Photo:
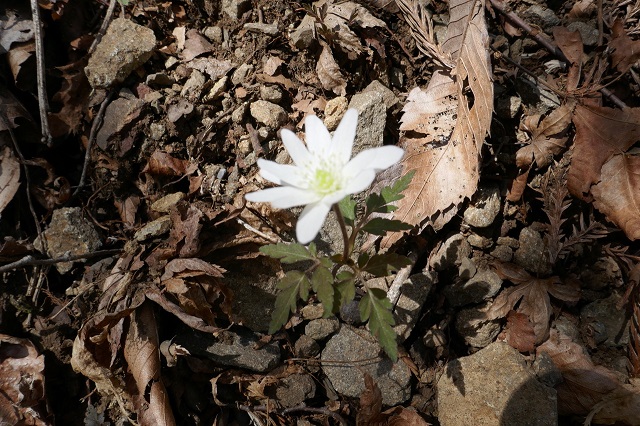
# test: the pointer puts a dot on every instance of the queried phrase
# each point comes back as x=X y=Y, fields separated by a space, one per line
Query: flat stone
x=304 y=34
x=217 y=90
x=334 y=111
x=494 y=387
x=306 y=347
x=270 y=93
x=242 y=74
x=353 y=351
x=372 y=119
x=69 y=232
x=475 y=329
x=451 y=253
x=321 y=328
x=388 y=97
x=269 y=114
x=153 y=229
x=484 y=207
x=484 y=285
x=116 y=118
x=543 y=17
x=295 y=389
x=166 y=203
x=261 y=27
x=124 y=47
x=588 y=33
x=192 y=89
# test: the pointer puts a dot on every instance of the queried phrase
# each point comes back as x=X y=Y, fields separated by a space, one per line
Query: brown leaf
x=519 y=333
x=620 y=406
x=533 y=297
x=329 y=73
x=14 y=28
x=164 y=164
x=22 y=391
x=601 y=132
x=73 y=97
x=625 y=52
x=617 y=195
x=9 y=176
x=195 y=45
x=446 y=159
x=141 y=351
x=548 y=138
x=370 y=403
x=11 y=111
x=127 y=210
x=570 y=42
x=585 y=384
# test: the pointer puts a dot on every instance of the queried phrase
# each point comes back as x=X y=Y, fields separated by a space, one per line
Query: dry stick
x=97 y=121
x=43 y=103
x=29 y=260
x=548 y=44
x=104 y=26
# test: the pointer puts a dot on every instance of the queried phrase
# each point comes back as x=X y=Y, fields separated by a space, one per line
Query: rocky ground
x=136 y=292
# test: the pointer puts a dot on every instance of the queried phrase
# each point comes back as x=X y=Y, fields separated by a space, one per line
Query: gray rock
x=261 y=27
x=588 y=33
x=304 y=35
x=451 y=253
x=166 y=203
x=313 y=311
x=484 y=207
x=242 y=74
x=388 y=97
x=334 y=111
x=271 y=93
x=237 y=116
x=503 y=253
x=157 y=131
x=295 y=389
x=372 y=119
x=543 y=17
x=467 y=268
x=116 y=117
x=269 y=114
x=68 y=233
x=160 y=79
x=494 y=387
x=236 y=347
x=601 y=322
x=214 y=34
x=508 y=107
x=484 y=285
x=350 y=353
x=153 y=229
x=124 y=47
x=192 y=89
x=235 y=8
x=306 y=347
x=474 y=327
x=217 y=90
x=479 y=241
x=321 y=328
x=546 y=370
x=532 y=252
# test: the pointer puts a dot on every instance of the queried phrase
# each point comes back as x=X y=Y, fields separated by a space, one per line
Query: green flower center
x=325 y=177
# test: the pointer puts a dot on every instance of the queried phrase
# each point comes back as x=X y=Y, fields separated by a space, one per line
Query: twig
x=29 y=260
x=43 y=103
x=104 y=26
x=256 y=231
x=548 y=44
x=394 y=290
x=324 y=411
x=97 y=121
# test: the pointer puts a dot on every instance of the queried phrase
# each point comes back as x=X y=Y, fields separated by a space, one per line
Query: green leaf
x=363 y=259
x=345 y=291
x=379 y=203
x=322 y=283
x=385 y=264
x=288 y=253
x=293 y=285
x=348 y=209
x=380 y=226
x=376 y=308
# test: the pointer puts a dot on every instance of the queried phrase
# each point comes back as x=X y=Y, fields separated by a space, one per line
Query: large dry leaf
x=548 y=138
x=531 y=295
x=22 y=391
x=141 y=350
x=519 y=332
x=625 y=52
x=570 y=42
x=444 y=134
x=617 y=195
x=600 y=133
x=329 y=73
x=9 y=176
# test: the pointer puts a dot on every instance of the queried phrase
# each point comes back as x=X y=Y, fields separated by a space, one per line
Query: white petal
x=280 y=173
x=336 y=197
x=376 y=159
x=296 y=149
x=282 y=197
x=345 y=134
x=310 y=221
x=317 y=136
x=360 y=182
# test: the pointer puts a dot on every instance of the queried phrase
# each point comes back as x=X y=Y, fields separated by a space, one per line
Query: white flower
x=322 y=172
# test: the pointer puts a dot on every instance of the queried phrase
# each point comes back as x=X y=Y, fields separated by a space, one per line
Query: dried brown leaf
x=519 y=332
x=9 y=176
x=620 y=406
x=601 y=132
x=141 y=351
x=161 y=163
x=370 y=403
x=617 y=195
x=548 y=138
x=625 y=52
x=73 y=97
x=570 y=42
x=531 y=294
x=195 y=45
x=329 y=73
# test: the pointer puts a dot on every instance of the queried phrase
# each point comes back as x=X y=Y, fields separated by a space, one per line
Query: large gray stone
x=353 y=351
x=482 y=286
x=494 y=387
x=372 y=118
x=484 y=207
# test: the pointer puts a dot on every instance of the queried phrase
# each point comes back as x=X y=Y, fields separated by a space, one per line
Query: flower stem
x=346 y=254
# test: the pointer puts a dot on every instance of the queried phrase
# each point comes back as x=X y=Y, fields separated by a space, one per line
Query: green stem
x=346 y=254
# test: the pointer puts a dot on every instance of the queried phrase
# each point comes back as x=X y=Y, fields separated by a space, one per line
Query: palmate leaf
x=292 y=286
x=289 y=253
x=322 y=284
x=379 y=203
x=376 y=308
x=380 y=226
x=348 y=209
x=345 y=289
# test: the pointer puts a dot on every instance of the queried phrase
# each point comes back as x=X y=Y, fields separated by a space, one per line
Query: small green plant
x=322 y=178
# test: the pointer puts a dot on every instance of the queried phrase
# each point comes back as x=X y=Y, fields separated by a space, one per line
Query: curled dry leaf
x=570 y=42
x=22 y=391
x=601 y=133
x=617 y=195
x=548 y=138
x=519 y=332
x=329 y=73
x=73 y=96
x=533 y=296
x=625 y=52
x=164 y=164
x=9 y=176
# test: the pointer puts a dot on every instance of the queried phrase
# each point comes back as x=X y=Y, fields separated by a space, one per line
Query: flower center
x=325 y=178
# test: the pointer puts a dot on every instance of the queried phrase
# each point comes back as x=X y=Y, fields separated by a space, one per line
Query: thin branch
x=43 y=103
x=104 y=26
x=30 y=260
